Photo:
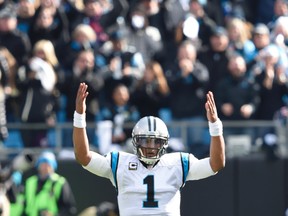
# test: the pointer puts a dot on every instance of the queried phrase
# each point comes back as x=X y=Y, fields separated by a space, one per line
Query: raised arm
x=217 y=145
x=80 y=139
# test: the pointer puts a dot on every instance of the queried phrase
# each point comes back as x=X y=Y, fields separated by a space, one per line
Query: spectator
x=60 y=20
x=261 y=36
x=120 y=112
x=214 y=10
x=46 y=26
x=12 y=185
x=17 y=43
x=9 y=68
x=25 y=13
x=73 y=10
x=188 y=83
x=83 y=38
x=215 y=57
x=279 y=34
x=262 y=39
x=141 y=35
x=152 y=89
x=45 y=50
x=165 y=16
x=93 y=10
x=273 y=89
x=234 y=8
x=101 y=17
x=241 y=100
x=204 y=24
x=48 y=193
x=83 y=70
x=119 y=63
x=239 y=34
x=280 y=9
x=36 y=83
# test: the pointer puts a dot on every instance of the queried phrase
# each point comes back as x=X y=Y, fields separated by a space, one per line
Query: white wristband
x=79 y=120
x=216 y=128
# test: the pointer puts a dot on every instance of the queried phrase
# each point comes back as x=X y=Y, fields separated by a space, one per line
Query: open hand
x=211 y=110
x=81 y=98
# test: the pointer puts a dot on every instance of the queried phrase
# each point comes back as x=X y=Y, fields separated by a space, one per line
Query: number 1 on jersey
x=150 y=203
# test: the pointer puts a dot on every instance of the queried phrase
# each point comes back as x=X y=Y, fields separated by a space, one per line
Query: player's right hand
x=81 y=98
x=211 y=110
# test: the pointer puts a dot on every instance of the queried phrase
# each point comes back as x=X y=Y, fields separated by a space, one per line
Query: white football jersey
x=143 y=191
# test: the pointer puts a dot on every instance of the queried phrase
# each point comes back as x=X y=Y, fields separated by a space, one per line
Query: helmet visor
x=150 y=142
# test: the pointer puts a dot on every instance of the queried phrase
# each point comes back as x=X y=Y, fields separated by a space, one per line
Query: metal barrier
x=57 y=135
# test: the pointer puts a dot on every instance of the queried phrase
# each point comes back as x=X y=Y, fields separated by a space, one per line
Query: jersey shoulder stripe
x=114 y=166
x=185 y=165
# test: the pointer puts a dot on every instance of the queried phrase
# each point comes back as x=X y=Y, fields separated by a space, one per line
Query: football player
x=149 y=181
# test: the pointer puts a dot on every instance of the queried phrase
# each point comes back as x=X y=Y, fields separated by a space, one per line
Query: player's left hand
x=210 y=106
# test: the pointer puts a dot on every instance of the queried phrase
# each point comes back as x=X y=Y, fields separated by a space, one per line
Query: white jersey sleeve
x=100 y=165
x=199 y=169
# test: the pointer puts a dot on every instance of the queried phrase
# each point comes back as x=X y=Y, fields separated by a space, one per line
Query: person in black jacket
x=152 y=89
x=36 y=82
x=215 y=56
x=188 y=83
x=17 y=42
x=83 y=69
x=50 y=23
x=237 y=95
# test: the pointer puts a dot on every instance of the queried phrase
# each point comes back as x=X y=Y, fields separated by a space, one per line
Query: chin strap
x=149 y=161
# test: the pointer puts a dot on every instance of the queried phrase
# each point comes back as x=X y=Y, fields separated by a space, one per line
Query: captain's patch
x=133 y=165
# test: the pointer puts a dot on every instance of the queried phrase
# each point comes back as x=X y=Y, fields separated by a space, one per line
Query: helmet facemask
x=150 y=139
x=149 y=149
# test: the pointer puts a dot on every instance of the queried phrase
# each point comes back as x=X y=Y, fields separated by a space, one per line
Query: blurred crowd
x=142 y=57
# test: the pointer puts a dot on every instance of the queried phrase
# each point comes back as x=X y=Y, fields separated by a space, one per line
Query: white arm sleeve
x=199 y=169
x=99 y=165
